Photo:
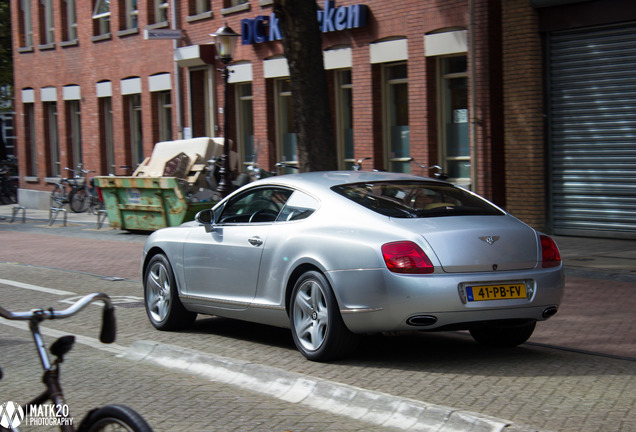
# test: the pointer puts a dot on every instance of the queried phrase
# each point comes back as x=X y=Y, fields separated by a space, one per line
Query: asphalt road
x=570 y=377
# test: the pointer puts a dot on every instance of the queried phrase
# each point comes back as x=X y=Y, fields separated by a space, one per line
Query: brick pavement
x=169 y=402
x=596 y=316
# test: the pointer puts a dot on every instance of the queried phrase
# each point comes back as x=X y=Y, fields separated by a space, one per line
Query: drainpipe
x=473 y=96
x=177 y=75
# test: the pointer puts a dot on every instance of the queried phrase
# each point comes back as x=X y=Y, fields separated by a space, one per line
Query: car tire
x=161 y=297
x=502 y=336
x=317 y=326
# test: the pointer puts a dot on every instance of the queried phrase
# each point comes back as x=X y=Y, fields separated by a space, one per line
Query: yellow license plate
x=496 y=292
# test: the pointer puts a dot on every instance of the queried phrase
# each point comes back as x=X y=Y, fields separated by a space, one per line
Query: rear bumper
x=377 y=300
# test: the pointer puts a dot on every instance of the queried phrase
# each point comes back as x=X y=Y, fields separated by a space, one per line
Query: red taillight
x=406 y=257
x=549 y=252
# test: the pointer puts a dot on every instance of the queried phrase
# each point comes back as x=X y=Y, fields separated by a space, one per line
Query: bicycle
x=80 y=197
x=84 y=197
x=59 y=196
x=99 y=419
x=8 y=182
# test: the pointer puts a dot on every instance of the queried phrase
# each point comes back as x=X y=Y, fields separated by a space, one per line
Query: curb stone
x=373 y=407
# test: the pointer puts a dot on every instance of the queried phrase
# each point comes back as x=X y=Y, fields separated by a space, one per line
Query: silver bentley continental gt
x=334 y=255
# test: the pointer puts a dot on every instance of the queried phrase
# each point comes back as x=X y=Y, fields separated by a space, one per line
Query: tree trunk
x=302 y=44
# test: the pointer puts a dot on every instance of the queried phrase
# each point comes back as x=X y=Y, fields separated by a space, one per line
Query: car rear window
x=411 y=199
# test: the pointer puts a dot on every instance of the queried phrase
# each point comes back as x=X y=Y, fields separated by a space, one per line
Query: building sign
x=331 y=18
x=163 y=34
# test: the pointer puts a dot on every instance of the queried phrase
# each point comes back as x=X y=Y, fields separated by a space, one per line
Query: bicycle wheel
x=80 y=200
x=58 y=196
x=114 y=418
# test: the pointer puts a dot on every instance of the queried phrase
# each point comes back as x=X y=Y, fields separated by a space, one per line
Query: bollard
x=17 y=209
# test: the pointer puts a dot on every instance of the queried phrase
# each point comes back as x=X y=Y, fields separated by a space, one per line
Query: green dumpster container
x=146 y=203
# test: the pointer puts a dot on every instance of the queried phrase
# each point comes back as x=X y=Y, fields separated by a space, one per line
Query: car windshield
x=416 y=199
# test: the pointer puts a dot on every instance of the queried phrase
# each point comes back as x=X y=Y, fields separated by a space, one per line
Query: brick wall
x=523 y=113
x=127 y=54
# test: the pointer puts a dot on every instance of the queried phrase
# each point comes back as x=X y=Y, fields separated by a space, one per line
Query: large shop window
x=455 y=148
x=396 y=108
x=344 y=125
x=245 y=117
x=286 y=135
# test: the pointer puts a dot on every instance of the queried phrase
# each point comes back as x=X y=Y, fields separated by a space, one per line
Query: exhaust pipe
x=549 y=312
x=421 y=320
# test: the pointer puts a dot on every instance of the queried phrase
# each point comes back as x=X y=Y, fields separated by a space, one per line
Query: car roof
x=321 y=180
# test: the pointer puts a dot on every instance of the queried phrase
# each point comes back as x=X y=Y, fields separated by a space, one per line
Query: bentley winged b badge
x=489 y=239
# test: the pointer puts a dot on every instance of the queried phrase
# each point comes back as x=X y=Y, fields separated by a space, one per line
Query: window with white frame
x=286 y=128
x=101 y=17
x=47 y=29
x=396 y=114
x=74 y=130
x=69 y=19
x=26 y=28
x=232 y=3
x=247 y=150
x=135 y=136
x=106 y=134
x=455 y=147
x=160 y=11
x=131 y=12
x=199 y=6
x=200 y=89
x=29 y=138
x=164 y=111
x=344 y=121
x=51 y=138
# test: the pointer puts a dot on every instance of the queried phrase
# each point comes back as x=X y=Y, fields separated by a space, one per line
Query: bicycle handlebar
x=109 y=326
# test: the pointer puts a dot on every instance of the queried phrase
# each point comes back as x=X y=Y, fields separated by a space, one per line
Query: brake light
x=549 y=252
x=406 y=257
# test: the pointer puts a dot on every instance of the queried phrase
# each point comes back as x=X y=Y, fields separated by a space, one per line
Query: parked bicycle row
x=79 y=193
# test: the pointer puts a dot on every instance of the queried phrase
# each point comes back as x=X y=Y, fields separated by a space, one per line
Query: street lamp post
x=225 y=40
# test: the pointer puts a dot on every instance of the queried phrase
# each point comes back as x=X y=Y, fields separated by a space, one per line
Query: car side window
x=255 y=205
x=298 y=206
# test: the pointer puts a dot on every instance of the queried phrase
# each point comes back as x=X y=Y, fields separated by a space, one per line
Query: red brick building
x=459 y=83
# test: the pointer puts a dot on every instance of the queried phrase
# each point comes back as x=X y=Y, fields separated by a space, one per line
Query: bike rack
x=53 y=214
x=16 y=210
x=101 y=217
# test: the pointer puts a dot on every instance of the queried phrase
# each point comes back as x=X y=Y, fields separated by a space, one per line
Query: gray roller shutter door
x=592 y=131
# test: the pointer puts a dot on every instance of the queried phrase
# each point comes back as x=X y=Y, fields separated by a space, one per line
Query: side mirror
x=205 y=217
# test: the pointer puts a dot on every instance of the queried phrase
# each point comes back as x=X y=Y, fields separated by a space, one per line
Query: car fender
x=169 y=242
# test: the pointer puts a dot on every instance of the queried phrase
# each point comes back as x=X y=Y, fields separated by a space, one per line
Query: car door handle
x=255 y=241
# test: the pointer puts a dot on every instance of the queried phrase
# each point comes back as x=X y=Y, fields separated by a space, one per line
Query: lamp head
x=225 y=40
